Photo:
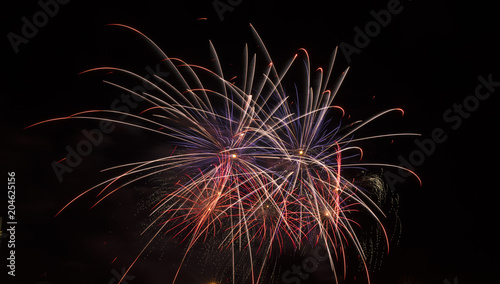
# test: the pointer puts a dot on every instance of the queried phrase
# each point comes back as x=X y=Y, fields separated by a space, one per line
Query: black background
x=427 y=59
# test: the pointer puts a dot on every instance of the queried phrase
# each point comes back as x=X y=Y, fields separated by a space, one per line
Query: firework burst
x=257 y=167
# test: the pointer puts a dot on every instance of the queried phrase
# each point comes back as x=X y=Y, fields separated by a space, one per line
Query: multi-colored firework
x=258 y=168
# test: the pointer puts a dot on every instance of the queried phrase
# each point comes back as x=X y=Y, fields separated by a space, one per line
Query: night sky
x=428 y=59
